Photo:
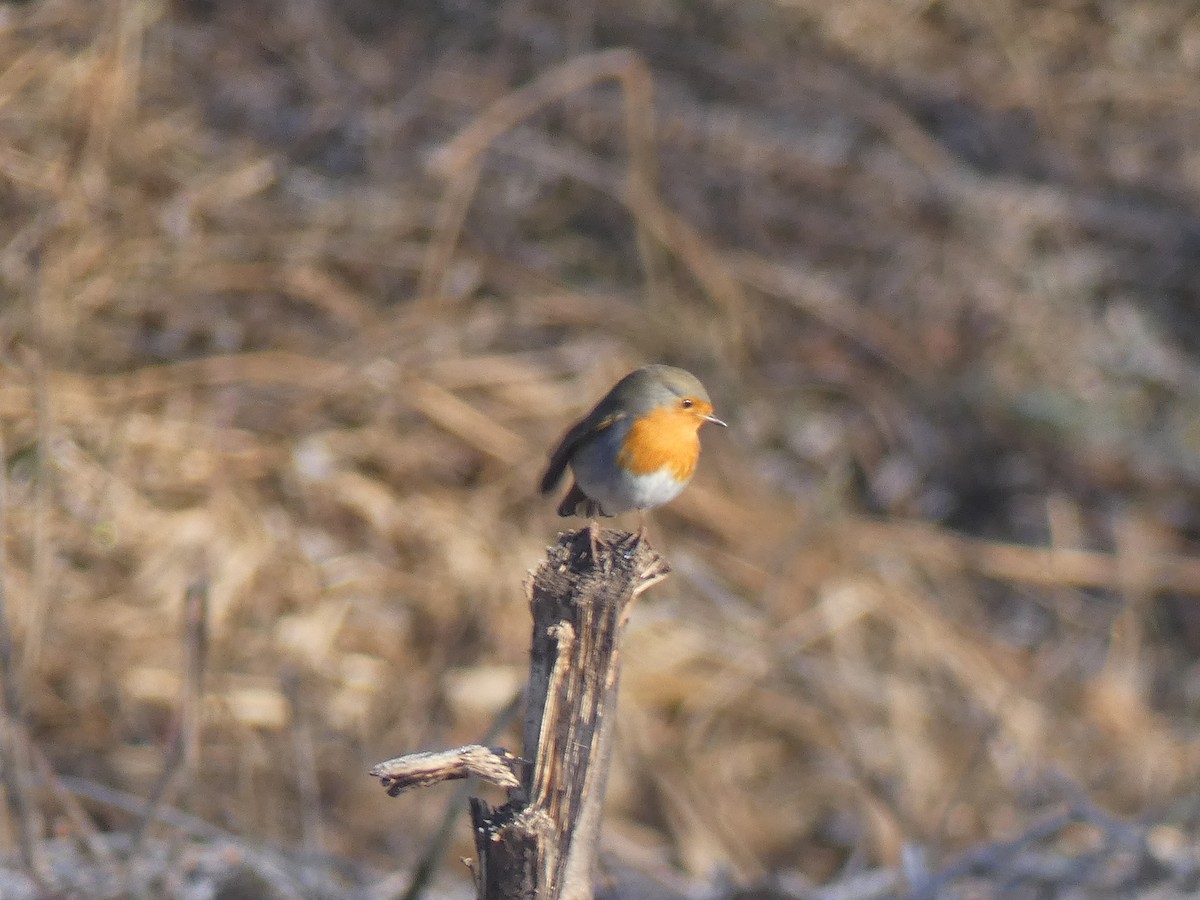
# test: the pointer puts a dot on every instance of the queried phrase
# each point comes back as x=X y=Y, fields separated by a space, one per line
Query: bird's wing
x=562 y=455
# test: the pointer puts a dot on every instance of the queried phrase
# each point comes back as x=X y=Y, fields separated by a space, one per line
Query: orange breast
x=665 y=437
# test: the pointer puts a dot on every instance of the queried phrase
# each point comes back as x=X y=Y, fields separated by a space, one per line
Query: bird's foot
x=640 y=534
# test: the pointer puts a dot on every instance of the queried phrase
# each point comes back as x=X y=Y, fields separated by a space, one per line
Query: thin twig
x=84 y=827
x=15 y=747
x=461 y=161
x=308 y=785
x=35 y=619
x=183 y=748
x=1023 y=564
x=138 y=806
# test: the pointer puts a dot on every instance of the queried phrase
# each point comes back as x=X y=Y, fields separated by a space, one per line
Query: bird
x=637 y=449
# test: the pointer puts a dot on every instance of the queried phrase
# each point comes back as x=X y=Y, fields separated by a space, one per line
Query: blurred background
x=296 y=295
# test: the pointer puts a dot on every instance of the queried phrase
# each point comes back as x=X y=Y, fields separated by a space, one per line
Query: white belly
x=620 y=494
x=633 y=491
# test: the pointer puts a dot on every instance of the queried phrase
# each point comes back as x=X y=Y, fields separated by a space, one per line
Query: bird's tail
x=554 y=471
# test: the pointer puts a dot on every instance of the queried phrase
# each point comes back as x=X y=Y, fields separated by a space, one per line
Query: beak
x=715 y=421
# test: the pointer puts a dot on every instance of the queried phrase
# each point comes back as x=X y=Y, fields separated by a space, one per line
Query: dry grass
x=295 y=301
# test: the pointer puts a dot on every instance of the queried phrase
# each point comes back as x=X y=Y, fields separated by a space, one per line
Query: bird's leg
x=593 y=534
x=640 y=535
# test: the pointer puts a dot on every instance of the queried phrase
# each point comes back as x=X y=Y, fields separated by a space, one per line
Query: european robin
x=637 y=449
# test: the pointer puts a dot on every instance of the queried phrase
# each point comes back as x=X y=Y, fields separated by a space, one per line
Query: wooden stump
x=542 y=843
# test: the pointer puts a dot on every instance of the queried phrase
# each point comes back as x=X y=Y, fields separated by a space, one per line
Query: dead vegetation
x=296 y=295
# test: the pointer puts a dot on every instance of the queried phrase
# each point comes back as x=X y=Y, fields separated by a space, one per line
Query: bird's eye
x=687 y=403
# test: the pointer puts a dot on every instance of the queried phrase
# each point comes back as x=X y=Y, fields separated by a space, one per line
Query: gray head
x=653 y=386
